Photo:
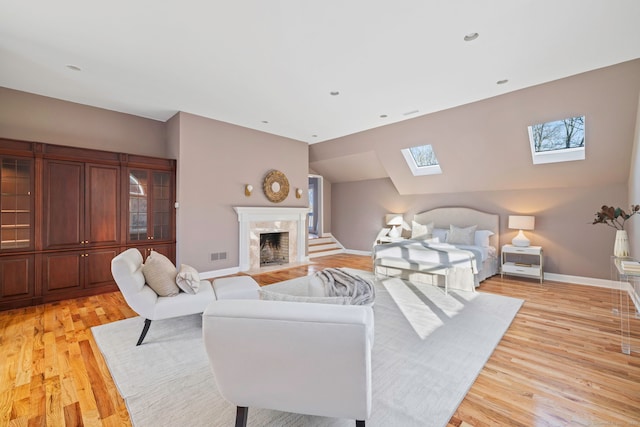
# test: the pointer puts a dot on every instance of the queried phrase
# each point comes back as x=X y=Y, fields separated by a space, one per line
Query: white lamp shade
x=522 y=222
x=393 y=219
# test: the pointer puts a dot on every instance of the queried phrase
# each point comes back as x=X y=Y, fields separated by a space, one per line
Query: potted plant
x=616 y=218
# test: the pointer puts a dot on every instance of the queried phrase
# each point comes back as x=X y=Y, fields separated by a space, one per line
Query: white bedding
x=443 y=254
x=464 y=266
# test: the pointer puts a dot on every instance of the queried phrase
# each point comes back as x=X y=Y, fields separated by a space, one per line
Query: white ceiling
x=245 y=62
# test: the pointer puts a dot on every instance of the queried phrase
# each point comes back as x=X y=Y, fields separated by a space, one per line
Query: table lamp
x=394 y=220
x=521 y=222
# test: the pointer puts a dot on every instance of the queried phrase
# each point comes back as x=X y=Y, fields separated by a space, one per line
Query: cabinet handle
x=151 y=237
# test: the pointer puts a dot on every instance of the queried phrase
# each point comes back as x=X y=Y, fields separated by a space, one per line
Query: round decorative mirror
x=276 y=186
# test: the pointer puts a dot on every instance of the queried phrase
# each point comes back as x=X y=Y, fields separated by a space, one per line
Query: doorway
x=315 y=206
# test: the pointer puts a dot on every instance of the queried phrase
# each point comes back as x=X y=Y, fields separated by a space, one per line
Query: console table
x=625 y=298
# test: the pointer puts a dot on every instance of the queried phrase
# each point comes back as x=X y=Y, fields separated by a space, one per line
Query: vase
x=621 y=246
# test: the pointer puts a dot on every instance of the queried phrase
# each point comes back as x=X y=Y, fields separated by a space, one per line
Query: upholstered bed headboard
x=462 y=217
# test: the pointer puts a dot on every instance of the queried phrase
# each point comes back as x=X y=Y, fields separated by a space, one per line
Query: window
x=422 y=160
x=558 y=141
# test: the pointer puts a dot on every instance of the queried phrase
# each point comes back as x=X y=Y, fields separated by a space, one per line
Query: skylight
x=422 y=160
x=558 y=141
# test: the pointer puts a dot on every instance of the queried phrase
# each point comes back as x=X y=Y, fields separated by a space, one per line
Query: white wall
x=634 y=189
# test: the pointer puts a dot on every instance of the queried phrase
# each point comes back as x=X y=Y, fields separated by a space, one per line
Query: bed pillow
x=275 y=296
x=421 y=231
x=461 y=236
x=188 y=279
x=440 y=234
x=482 y=238
x=160 y=274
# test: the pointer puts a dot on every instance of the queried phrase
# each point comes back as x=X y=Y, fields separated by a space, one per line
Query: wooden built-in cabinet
x=66 y=212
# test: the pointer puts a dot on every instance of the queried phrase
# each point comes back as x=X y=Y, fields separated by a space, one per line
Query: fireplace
x=274 y=248
x=255 y=221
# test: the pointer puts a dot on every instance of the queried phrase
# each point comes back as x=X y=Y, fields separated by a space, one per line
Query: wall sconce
x=248 y=189
x=298 y=193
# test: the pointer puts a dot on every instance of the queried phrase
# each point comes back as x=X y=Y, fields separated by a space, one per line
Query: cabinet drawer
x=522 y=250
x=510 y=267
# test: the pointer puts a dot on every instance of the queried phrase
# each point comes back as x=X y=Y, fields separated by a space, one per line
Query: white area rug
x=428 y=350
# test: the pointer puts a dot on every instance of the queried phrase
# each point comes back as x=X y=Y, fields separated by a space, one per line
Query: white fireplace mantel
x=247 y=215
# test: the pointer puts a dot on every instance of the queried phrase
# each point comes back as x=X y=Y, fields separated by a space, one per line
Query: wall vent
x=218 y=256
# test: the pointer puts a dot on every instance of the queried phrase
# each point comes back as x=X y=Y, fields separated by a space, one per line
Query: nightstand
x=525 y=264
x=387 y=239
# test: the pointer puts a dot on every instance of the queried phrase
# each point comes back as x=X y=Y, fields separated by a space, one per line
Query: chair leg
x=145 y=329
x=242 y=413
x=359 y=423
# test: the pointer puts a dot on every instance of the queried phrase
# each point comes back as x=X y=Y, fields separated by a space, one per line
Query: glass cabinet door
x=138 y=205
x=161 y=206
x=16 y=203
x=150 y=205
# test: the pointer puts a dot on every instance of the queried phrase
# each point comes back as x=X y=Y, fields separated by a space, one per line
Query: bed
x=445 y=250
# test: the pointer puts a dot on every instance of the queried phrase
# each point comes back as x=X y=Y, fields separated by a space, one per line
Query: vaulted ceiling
x=311 y=71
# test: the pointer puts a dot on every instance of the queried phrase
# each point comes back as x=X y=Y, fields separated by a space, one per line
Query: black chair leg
x=242 y=413
x=359 y=423
x=145 y=329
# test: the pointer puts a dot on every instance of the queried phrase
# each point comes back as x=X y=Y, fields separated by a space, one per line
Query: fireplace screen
x=274 y=248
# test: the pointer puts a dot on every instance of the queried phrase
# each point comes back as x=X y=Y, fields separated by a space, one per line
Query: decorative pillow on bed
x=482 y=238
x=275 y=296
x=421 y=231
x=461 y=236
x=440 y=234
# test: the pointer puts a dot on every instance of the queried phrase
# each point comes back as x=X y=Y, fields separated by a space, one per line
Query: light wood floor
x=559 y=364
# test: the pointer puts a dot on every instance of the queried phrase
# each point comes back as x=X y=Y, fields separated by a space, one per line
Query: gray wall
x=572 y=245
x=215 y=162
x=38 y=118
x=485 y=156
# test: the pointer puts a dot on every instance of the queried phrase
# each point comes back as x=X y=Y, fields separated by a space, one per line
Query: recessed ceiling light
x=383 y=116
x=265 y=121
x=334 y=93
x=314 y=136
x=74 y=67
x=471 y=36
x=501 y=82
x=408 y=113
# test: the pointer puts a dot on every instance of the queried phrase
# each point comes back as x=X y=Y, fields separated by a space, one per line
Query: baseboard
x=355 y=252
x=580 y=280
x=563 y=278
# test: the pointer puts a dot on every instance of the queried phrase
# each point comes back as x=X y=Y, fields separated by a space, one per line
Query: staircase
x=325 y=245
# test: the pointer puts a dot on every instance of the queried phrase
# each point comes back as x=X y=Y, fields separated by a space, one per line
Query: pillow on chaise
x=160 y=274
x=188 y=279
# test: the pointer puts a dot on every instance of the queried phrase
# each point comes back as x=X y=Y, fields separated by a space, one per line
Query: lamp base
x=395 y=232
x=520 y=240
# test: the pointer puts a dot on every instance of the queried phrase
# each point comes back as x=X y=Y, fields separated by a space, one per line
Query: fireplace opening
x=274 y=248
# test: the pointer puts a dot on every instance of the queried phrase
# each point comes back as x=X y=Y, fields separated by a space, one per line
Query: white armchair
x=126 y=269
x=306 y=358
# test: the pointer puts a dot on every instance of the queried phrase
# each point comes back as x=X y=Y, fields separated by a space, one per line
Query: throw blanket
x=338 y=282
